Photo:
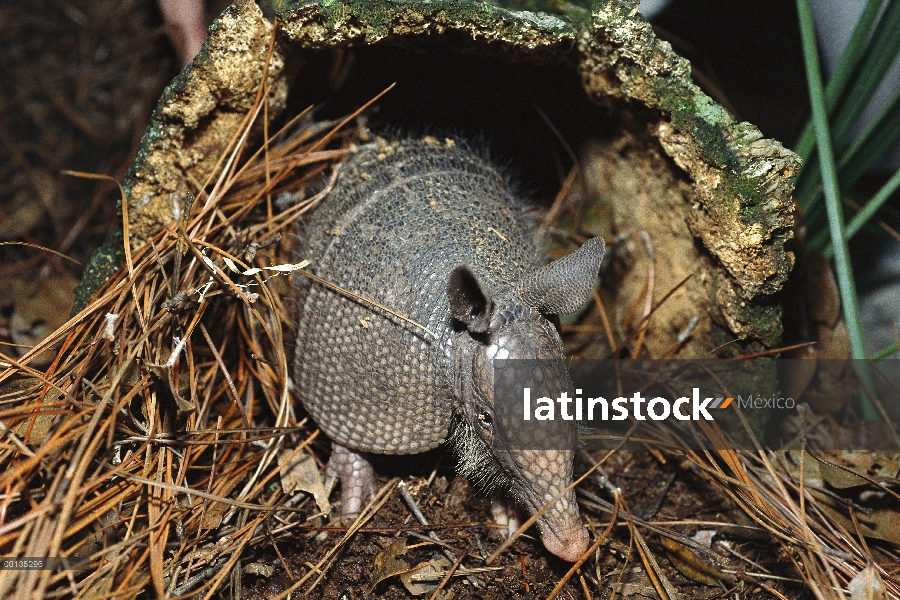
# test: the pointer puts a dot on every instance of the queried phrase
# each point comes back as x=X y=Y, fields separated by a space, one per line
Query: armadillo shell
x=402 y=216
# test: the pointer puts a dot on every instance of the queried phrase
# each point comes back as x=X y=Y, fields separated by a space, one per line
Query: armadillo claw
x=506 y=512
x=357 y=479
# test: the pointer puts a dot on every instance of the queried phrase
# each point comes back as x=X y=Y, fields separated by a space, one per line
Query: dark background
x=78 y=81
x=751 y=51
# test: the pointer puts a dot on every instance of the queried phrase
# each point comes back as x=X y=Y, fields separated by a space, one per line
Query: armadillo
x=432 y=231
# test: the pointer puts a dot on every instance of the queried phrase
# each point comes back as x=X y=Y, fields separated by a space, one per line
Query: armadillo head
x=519 y=328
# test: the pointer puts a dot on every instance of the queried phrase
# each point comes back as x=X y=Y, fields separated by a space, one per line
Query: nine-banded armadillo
x=432 y=231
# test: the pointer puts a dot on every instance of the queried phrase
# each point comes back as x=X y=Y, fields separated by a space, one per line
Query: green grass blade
x=844 y=272
x=874 y=203
x=863 y=216
x=881 y=134
x=869 y=56
x=882 y=50
x=843 y=71
x=885 y=352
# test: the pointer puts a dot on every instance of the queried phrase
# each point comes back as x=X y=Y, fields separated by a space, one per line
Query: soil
x=658 y=491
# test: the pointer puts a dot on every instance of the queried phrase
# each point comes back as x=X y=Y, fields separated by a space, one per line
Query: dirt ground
x=78 y=81
x=663 y=493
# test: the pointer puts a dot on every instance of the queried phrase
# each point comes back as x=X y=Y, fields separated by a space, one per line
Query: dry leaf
x=882 y=467
x=300 y=473
x=426 y=577
x=634 y=583
x=387 y=564
x=881 y=522
x=259 y=569
x=25 y=211
x=33 y=430
x=821 y=290
x=867 y=585
x=213 y=515
x=39 y=312
x=692 y=565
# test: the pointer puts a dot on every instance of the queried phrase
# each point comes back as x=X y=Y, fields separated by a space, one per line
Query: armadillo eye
x=486 y=425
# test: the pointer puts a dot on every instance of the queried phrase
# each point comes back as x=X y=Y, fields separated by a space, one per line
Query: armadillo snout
x=544 y=476
x=562 y=531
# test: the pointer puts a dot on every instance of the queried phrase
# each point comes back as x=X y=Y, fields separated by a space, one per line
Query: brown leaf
x=691 y=565
x=387 y=564
x=883 y=467
x=259 y=569
x=880 y=523
x=301 y=473
x=434 y=570
x=834 y=341
x=821 y=290
x=39 y=312
x=867 y=585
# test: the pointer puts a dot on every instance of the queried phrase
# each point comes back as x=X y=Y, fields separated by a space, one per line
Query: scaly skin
x=357 y=479
x=431 y=230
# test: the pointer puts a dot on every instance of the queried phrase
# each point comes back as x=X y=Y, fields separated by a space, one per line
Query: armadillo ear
x=470 y=302
x=563 y=285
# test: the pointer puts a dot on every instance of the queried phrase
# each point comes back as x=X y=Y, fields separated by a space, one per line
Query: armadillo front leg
x=506 y=513
x=357 y=479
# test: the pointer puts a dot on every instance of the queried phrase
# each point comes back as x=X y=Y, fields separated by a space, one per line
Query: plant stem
x=843 y=71
x=884 y=352
x=871 y=207
x=844 y=273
